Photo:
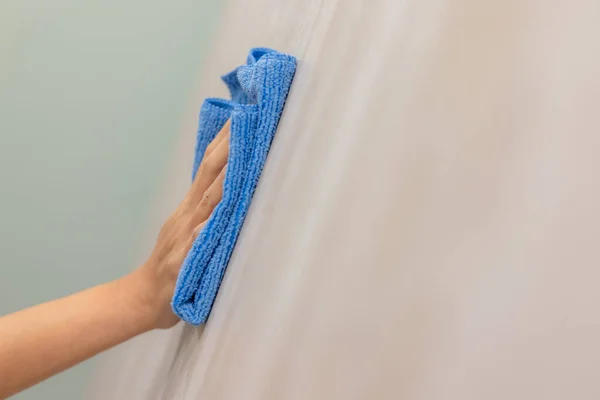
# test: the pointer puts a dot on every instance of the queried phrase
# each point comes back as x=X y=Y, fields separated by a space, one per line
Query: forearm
x=41 y=341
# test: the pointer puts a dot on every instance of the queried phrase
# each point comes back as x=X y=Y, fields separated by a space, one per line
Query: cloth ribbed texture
x=258 y=92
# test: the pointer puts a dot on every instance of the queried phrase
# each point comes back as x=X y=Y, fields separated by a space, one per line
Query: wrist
x=143 y=295
x=153 y=294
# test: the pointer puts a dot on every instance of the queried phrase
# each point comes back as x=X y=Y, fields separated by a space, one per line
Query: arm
x=41 y=341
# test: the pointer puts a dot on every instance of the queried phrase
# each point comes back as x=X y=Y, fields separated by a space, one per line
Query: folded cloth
x=258 y=92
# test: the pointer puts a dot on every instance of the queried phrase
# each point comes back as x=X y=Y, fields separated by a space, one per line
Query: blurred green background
x=92 y=95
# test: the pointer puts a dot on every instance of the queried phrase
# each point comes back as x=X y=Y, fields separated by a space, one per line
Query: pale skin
x=46 y=339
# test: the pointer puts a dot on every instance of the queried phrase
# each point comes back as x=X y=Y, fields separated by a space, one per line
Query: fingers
x=212 y=196
x=218 y=139
x=207 y=188
x=209 y=201
x=195 y=232
x=210 y=168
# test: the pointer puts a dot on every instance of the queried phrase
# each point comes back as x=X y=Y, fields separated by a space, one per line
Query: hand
x=181 y=229
x=43 y=340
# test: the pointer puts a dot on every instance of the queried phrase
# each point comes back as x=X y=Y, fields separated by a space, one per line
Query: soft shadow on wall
x=91 y=100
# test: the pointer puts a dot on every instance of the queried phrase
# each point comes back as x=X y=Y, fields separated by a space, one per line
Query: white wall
x=426 y=225
x=92 y=96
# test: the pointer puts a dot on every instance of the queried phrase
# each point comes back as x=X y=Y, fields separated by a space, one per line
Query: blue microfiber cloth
x=258 y=92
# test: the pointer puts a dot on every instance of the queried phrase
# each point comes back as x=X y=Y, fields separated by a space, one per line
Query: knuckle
x=170 y=221
x=189 y=227
x=197 y=230
x=207 y=201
